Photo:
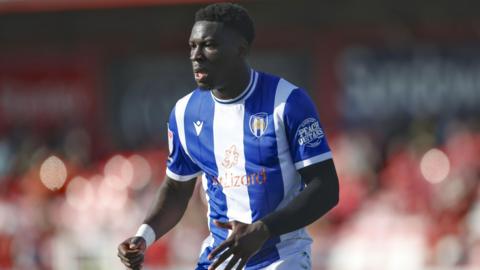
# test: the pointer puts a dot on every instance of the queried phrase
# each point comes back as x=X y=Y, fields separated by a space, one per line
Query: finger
x=221 y=259
x=135 y=243
x=130 y=255
x=138 y=267
x=225 y=244
x=137 y=260
x=242 y=264
x=135 y=267
x=131 y=250
x=125 y=250
x=233 y=261
x=132 y=265
x=223 y=225
x=132 y=261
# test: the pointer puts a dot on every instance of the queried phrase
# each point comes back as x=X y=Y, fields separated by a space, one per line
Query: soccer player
x=257 y=143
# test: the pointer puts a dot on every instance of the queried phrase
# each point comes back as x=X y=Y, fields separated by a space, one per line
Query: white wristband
x=147 y=233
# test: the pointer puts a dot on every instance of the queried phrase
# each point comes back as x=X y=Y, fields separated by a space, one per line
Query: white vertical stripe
x=230 y=159
x=209 y=241
x=180 y=117
x=205 y=188
x=291 y=178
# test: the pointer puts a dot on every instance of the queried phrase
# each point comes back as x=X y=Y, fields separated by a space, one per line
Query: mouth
x=200 y=73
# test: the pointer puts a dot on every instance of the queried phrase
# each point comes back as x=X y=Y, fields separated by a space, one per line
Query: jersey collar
x=245 y=93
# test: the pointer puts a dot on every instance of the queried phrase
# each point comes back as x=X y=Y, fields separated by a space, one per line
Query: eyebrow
x=203 y=40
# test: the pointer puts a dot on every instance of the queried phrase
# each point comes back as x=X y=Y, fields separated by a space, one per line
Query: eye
x=210 y=44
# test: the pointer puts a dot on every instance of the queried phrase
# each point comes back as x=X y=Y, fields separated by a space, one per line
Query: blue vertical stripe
x=265 y=188
x=261 y=152
x=262 y=187
x=201 y=108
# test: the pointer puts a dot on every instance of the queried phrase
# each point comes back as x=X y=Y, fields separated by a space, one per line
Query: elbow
x=335 y=195
x=328 y=196
x=334 y=199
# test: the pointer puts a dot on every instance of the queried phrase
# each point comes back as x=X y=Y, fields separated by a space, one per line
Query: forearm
x=313 y=202
x=169 y=206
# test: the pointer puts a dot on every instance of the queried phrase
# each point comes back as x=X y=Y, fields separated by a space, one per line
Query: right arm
x=169 y=205
x=171 y=200
x=168 y=208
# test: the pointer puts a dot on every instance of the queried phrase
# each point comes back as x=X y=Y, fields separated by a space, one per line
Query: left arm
x=306 y=141
x=320 y=195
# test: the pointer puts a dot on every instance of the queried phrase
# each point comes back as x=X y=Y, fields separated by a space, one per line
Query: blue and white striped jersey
x=248 y=150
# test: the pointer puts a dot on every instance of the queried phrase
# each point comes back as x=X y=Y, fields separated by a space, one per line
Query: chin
x=204 y=86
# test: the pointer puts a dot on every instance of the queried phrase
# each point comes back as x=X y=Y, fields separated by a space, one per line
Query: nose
x=196 y=53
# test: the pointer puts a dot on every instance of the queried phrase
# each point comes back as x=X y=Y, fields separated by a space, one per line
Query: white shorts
x=300 y=261
x=296 y=261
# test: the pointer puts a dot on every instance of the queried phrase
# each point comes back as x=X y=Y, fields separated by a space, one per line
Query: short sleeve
x=306 y=137
x=180 y=166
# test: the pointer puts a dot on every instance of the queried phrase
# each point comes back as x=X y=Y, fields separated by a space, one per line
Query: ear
x=244 y=48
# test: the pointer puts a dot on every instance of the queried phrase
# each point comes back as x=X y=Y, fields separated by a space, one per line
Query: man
x=257 y=142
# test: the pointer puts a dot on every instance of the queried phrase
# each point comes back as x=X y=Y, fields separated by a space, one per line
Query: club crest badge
x=258 y=124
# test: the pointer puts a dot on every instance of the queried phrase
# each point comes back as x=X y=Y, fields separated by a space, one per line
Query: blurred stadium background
x=86 y=88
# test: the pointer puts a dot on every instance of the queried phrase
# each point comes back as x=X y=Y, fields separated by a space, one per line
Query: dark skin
x=320 y=195
x=218 y=56
x=168 y=208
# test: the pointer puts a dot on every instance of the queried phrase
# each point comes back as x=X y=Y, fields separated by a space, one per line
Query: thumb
x=135 y=242
x=224 y=225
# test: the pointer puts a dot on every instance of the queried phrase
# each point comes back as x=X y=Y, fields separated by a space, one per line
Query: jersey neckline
x=245 y=93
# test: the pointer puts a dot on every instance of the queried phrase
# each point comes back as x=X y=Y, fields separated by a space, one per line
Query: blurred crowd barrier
x=409 y=201
x=85 y=95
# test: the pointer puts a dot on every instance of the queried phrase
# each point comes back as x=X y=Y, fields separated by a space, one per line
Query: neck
x=235 y=86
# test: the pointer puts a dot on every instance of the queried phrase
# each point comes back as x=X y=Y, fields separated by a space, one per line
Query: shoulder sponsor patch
x=309 y=133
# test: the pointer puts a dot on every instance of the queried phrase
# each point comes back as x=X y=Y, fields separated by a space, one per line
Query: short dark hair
x=232 y=15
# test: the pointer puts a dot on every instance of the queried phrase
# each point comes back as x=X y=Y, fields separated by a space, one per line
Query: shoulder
x=183 y=102
x=184 y=99
x=268 y=79
x=265 y=76
x=274 y=86
x=282 y=88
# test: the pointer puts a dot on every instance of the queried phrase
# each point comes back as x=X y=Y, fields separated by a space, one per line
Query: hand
x=243 y=243
x=131 y=252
